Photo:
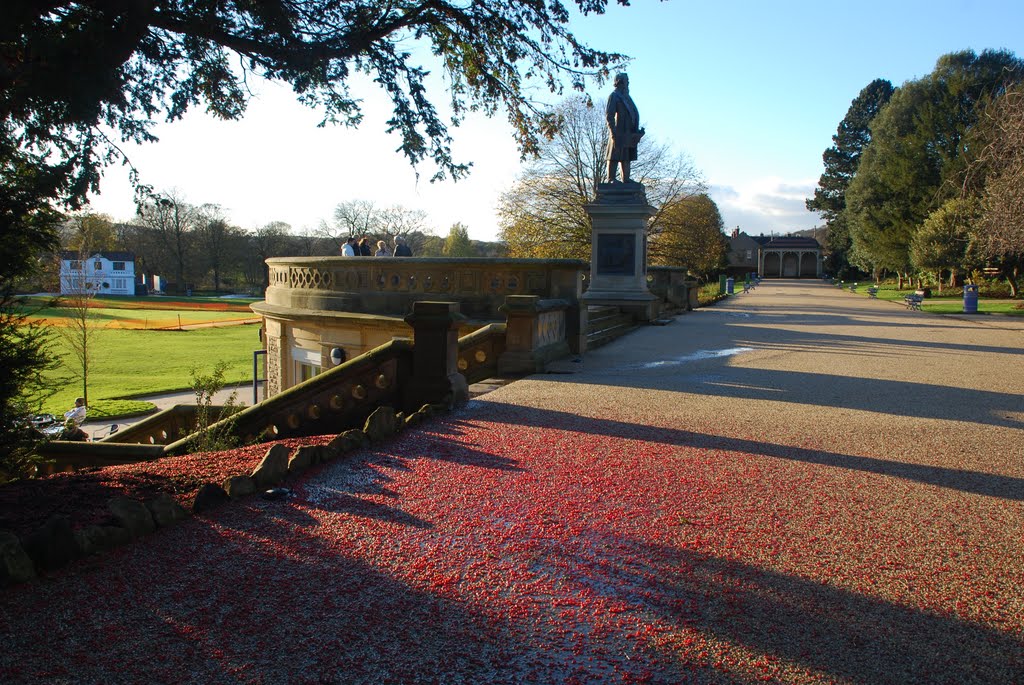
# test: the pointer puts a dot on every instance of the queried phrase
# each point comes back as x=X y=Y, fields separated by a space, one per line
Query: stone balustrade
x=389 y=285
x=673 y=286
x=319 y=307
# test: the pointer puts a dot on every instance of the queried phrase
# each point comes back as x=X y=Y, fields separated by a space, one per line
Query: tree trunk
x=938 y=279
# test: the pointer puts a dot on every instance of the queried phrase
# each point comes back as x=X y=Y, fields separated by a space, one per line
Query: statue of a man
x=623 y=129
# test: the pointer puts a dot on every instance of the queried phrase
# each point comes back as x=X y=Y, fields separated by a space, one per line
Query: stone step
x=616 y=318
x=606 y=323
x=607 y=335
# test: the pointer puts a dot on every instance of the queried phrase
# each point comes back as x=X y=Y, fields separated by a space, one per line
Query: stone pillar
x=618 y=261
x=535 y=333
x=435 y=365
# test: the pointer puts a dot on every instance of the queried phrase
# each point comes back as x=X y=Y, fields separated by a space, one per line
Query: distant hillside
x=819 y=233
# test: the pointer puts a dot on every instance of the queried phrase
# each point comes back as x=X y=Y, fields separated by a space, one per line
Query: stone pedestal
x=435 y=365
x=618 y=262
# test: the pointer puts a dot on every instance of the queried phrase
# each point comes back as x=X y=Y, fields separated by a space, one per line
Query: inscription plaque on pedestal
x=615 y=254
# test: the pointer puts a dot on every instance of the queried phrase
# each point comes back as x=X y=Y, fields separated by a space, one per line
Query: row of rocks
x=57 y=542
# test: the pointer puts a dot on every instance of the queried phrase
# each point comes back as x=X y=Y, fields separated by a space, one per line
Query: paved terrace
x=798 y=485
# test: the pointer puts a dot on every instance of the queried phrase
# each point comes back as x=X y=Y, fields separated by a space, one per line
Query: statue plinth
x=618 y=250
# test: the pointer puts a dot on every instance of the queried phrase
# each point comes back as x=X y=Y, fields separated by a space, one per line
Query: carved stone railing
x=161 y=428
x=389 y=285
x=672 y=286
x=400 y=373
x=536 y=333
x=334 y=401
x=480 y=352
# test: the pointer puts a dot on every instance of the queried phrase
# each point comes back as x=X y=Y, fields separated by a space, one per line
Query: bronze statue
x=623 y=129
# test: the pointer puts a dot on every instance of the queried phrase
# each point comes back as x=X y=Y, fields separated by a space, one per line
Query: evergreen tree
x=919 y=152
x=841 y=161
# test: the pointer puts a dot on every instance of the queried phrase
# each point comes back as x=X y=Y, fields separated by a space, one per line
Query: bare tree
x=78 y=328
x=542 y=214
x=173 y=221
x=267 y=241
x=1000 y=167
x=362 y=217
x=214 y=236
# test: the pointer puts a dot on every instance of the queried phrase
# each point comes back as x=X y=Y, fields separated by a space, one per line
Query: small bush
x=212 y=432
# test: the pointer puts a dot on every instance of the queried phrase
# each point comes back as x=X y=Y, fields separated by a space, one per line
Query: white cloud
x=766 y=205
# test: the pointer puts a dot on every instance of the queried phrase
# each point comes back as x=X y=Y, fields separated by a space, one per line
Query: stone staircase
x=605 y=324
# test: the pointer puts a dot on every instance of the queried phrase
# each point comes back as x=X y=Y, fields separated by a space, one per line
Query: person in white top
x=349 y=248
x=77 y=413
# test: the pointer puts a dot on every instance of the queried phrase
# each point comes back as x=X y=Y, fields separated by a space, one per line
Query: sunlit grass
x=129 y=363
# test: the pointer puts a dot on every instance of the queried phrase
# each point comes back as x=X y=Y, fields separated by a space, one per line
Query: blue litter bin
x=970 y=299
x=730 y=285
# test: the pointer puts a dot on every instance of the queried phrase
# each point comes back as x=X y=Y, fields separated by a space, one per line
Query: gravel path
x=799 y=485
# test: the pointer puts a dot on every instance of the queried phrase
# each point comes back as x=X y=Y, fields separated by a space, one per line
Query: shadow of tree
x=991 y=485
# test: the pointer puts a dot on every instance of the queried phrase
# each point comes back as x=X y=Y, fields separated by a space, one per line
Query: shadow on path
x=990 y=485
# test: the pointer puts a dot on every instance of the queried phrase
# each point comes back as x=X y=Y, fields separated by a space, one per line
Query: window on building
x=307 y=363
x=303 y=372
x=118 y=266
x=750 y=255
x=76 y=265
x=97 y=265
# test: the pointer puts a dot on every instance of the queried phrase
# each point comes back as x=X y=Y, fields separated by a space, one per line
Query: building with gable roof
x=790 y=257
x=101 y=273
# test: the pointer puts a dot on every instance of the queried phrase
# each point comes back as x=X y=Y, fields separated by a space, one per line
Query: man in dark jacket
x=623 y=129
x=401 y=248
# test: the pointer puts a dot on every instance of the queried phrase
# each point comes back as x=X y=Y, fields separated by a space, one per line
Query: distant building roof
x=112 y=255
x=794 y=243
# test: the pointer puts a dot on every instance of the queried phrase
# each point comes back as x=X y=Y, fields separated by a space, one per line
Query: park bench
x=873 y=291
x=913 y=301
x=747 y=287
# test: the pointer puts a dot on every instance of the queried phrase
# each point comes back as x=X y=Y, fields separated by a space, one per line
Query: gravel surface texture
x=799 y=485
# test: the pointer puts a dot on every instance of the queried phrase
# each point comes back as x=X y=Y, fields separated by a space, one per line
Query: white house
x=104 y=273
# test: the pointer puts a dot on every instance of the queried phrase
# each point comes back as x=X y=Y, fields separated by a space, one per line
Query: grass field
x=149 y=313
x=950 y=301
x=128 y=363
x=131 y=357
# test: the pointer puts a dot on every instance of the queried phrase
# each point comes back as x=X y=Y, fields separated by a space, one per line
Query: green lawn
x=149 y=312
x=134 y=362
x=950 y=301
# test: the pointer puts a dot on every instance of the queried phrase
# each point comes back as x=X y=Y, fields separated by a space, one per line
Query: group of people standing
x=362 y=247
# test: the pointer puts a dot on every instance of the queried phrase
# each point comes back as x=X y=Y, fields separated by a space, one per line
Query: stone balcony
x=389 y=285
x=316 y=305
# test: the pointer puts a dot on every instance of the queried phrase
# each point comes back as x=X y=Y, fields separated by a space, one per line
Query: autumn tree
x=458 y=244
x=542 y=215
x=690 y=235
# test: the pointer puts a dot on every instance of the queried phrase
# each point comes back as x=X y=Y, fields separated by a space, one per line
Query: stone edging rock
x=57 y=542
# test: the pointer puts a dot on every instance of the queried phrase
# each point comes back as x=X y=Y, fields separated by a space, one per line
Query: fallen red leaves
x=501 y=545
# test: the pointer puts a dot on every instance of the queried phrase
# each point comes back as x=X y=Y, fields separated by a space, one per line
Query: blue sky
x=752 y=91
